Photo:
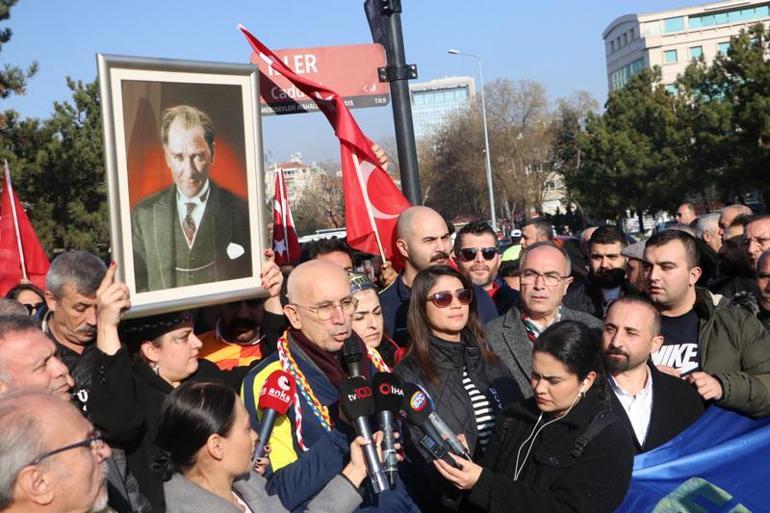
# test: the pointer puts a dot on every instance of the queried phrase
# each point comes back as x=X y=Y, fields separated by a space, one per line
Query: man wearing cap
x=310 y=444
x=634 y=265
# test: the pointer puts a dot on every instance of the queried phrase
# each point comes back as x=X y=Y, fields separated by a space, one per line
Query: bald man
x=319 y=311
x=728 y=214
x=423 y=239
x=685 y=214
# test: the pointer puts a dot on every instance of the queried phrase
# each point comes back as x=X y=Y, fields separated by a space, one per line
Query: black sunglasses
x=31 y=309
x=469 y=254
x=444 y=298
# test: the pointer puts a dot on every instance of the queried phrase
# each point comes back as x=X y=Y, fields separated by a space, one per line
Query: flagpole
x=284 y=221
x=15 y=222
x=369 y=211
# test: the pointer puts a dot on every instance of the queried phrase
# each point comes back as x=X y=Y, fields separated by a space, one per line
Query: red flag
x=285 y=243
x=372 y=200
x=21 y=255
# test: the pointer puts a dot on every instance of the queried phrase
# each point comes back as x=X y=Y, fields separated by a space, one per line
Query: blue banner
x=720 y=464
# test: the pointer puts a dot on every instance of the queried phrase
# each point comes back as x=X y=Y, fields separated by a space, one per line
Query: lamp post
x=454 y=51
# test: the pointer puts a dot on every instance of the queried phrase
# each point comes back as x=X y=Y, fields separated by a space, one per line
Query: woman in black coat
x=449 y=358
x=563 y=450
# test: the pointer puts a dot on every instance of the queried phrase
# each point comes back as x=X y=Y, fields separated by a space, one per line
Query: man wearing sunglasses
x=477 y=256
x=545 y=275
x=423 y=239
x=53 y=462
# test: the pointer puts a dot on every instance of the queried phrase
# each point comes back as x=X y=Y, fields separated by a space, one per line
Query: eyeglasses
x=325 y=311
x=94 y=441
x=443 y=298
x=762 y=242
x=469 y=254
x=31 y=309
x=529 y=277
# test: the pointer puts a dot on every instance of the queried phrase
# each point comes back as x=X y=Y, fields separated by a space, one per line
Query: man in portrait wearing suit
x=194 y=231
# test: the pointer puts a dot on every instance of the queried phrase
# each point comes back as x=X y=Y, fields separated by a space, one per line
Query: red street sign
x=350 y=71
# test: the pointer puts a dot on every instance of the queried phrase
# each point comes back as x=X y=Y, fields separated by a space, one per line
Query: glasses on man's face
x=529 y=277
x=32 y=309
x=469 y=254
x=94 y=442
x=762 y=242
x=443 y=298
x=325 y=311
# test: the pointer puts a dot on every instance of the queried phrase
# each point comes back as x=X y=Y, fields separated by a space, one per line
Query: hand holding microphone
x=275 y=399
x=357 y=405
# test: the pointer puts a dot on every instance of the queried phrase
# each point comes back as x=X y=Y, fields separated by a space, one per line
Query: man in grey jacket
x=545 y=277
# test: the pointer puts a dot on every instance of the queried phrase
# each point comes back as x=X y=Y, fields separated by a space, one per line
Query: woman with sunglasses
x=209 y=467
x=450 y=359
x=28 y=295
x=562 y=450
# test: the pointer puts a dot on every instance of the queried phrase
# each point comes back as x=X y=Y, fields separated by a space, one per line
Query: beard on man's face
x=609 y=278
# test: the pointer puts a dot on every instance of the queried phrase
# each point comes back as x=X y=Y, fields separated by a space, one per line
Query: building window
x=696 y=52
x=625 y=38
x=612 y=46
x=723 y=47
x=669 y=57
x=673 y=24
x=631 y=32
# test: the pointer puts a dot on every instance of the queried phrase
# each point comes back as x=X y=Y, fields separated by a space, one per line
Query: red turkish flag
x=35 y=260
x=285 y=243
x=372 y=200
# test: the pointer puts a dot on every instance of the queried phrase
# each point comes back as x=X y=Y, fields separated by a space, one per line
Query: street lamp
x=454 y=51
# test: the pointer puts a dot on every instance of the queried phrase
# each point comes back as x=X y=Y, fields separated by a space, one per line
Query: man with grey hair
x=544 y=271
x=758 y=303
x=71 y=319
x=194 y=231
x=53 y=462
x=707 y=230
x=28 y=358
x=728 y=214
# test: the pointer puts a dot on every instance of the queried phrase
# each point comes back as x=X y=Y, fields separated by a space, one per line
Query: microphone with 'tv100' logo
x=275 y=399
x=388 y=398
x=357 y=403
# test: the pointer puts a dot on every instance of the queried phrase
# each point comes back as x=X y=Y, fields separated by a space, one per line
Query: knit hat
x=359 y=282
x=134 y=332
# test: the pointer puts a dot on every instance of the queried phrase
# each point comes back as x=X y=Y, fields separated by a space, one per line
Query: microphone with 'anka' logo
x=275 y=399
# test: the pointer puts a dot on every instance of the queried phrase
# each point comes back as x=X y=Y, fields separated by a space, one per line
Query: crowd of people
x=548 y=373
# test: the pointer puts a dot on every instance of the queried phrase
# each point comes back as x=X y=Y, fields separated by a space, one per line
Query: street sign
x=350 y=71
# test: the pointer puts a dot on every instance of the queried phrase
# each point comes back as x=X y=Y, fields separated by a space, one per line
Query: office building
x=434 y=101
x=672 y=39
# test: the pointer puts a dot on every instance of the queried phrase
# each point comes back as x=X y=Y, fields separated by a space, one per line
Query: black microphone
x=357 y=404
x=352 y=354
x=417 y=408
x=388 y=397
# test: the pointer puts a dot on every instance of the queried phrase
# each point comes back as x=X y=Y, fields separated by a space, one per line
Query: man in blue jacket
x=310 y=445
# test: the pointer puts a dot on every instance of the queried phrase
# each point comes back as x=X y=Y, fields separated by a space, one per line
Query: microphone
x=445 y=431
x=357 y=404
x=388 y=397
x=275 y=399
x=417 y=409
x=352 y=354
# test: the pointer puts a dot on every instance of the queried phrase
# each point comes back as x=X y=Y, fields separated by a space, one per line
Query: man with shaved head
x=544 y=271
x=307 y=451
x=423 y=239
x=728 y=214
x=685 y=214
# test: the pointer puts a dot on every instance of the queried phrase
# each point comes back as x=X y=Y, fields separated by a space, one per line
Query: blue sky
x=555 y=42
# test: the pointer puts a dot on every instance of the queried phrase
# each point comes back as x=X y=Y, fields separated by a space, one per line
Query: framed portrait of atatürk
x=183 y=153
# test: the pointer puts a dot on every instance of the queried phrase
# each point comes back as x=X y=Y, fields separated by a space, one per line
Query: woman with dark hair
x=562 y=450
x=368 y=324
x=206 y=443
x=28 y=295
x=450 y=359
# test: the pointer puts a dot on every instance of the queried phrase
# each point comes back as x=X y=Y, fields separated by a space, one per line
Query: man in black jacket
x=655 y=407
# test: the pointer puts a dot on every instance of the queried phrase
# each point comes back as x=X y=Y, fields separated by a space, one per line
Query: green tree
x=13 y=79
